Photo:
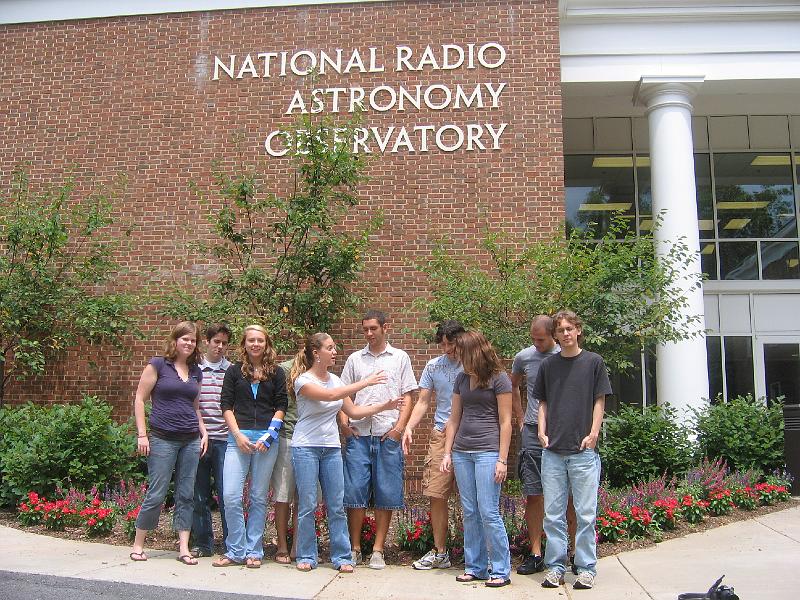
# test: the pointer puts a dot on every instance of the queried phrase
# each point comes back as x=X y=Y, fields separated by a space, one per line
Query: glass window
x=754 y=195
x=714 y=353
x=738 y=260
x=628 y=386
x=708 y=259
x=779 y=260
x=739 y=366
x=782 y=372
x=598 y=188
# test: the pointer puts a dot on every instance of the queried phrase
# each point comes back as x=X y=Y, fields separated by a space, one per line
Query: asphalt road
x=24 y=586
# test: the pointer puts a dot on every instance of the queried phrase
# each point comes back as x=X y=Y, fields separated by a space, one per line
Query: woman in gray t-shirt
x=478 y=435
x=316 y=451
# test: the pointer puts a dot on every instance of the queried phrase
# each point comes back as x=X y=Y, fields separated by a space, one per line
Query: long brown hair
x=181 y=329
x=268 y=364
x=478 y=357
x=304 y=359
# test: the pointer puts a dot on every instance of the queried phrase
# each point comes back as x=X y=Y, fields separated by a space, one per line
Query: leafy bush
x=642 y=444
x=745 y=432
x=44 y=448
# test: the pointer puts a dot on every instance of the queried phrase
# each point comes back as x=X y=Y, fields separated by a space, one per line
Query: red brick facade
x=135 y=95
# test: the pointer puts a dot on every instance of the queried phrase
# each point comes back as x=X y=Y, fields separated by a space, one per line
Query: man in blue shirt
x=438 y=378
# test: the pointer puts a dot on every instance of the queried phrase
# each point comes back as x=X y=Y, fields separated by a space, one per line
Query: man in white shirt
x=373 y=457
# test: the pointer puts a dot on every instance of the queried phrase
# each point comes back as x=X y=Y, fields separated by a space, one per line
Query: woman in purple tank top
x=176 y=438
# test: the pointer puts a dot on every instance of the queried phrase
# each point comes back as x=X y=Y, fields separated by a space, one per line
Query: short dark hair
x=216 y=328
x=378 y=315
x=449 y=329
x=546 y=322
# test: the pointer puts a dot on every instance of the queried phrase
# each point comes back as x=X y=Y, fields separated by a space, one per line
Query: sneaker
x=356 y=556
x=198 y=552
x=531 y=564
x=376 y=560
x=553 y=579
x=572 y=564
x=585 y=581
x=432 y=560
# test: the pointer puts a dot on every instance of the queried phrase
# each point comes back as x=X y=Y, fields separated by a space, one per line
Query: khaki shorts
x=436 y=484
x=282 y=482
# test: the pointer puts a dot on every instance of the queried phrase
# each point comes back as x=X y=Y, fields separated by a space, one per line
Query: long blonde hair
x=478 y=357
x=268 y=363
x=304 y=359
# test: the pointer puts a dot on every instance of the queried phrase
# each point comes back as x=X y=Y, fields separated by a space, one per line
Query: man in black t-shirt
x=571 y=388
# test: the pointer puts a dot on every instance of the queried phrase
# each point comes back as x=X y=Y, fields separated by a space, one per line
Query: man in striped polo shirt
x=211 y=463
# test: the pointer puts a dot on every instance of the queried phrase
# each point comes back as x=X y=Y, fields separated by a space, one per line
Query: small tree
x=286 y=262
x=626 y=298
x=56 y=257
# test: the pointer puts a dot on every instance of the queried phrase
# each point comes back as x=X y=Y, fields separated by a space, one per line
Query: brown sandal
x=283 y=558
x=224 y=561
x=253 y=563
x=303 y=566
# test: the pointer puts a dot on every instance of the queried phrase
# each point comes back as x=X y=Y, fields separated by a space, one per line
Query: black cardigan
x=253 y=413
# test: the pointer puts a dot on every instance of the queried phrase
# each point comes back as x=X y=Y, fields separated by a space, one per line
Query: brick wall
x=134 y=95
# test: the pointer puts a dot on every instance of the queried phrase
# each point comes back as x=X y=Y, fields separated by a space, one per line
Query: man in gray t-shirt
x=571 y=388
x=529 y=463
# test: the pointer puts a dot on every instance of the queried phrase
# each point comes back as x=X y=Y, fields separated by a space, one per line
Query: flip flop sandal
x=303 y=566
x=187 y=559
x=224 y=561
x=467 y=578
x=138 y=556
x=253 y=563
x=283 y=558
x=345 y=569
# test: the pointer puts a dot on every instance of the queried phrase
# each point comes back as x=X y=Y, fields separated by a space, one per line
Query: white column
x=681 y=368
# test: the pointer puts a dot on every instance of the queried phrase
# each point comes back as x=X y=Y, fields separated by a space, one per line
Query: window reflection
x=779 y=260
x=714 y=353
x=738 y=260
x=598 y=188
x=754 y=195
x=739 y=366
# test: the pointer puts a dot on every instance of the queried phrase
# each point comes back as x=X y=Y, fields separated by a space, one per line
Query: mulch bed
x=163 y=538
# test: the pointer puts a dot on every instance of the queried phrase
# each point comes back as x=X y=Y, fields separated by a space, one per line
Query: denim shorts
x=529 y=465
x=373 y=471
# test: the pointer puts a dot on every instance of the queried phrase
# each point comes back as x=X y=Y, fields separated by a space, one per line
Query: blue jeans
x=245 y=540
x=211 y=464
x=579 y=474
x=373 y=469
x=323 y=464
x=485 y=537
x=165 y=457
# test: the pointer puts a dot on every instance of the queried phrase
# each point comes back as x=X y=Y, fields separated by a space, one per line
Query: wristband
x=502 y=462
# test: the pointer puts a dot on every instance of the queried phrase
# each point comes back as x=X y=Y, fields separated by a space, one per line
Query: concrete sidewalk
x=760 y=558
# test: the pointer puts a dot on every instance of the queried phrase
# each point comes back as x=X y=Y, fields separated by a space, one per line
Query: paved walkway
x=760 y=558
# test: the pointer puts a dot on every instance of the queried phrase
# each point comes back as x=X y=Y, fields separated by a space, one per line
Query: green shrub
x=639 y=445
x=47 y=447
x=745 y=432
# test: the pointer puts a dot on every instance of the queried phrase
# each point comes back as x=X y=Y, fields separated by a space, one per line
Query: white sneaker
x=356 y=556
x=432 y=560
x=553 y=579
x=376 y=561
x=585 y=581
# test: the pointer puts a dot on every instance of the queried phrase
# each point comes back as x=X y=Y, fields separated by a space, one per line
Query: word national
x=446 y=57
